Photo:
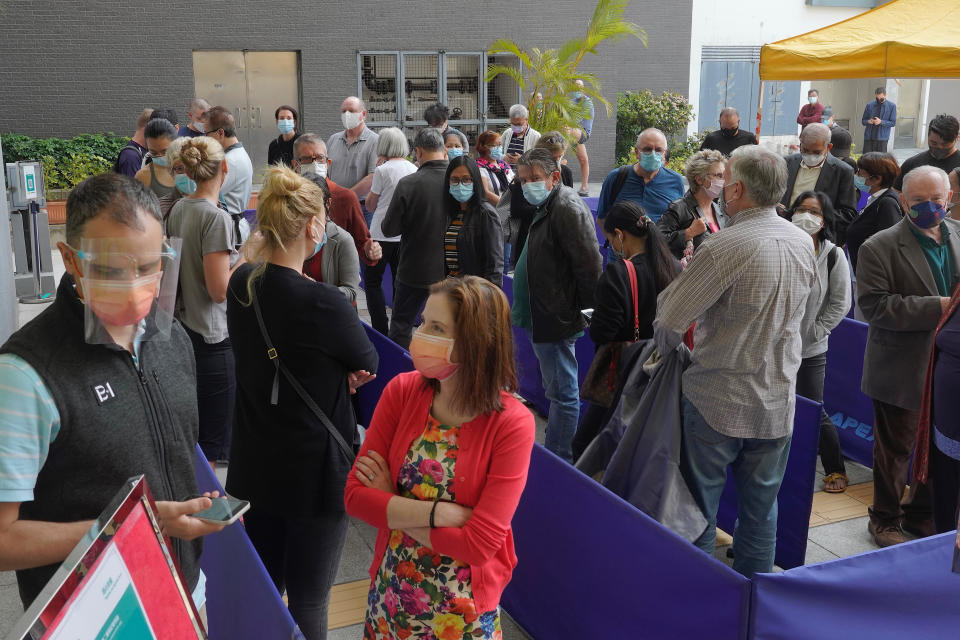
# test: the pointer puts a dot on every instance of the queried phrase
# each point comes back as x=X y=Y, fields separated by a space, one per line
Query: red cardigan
x=491 y=472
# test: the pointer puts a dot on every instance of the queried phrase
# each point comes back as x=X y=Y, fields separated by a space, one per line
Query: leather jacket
x=679 y=215
x=480 y=243
x=563 y=266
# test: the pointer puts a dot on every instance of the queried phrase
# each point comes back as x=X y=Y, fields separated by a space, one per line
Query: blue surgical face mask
x=496 y=153
x=576 y=95
x=536 y=193
x=285 y=126
x=652 y=161
x=184 y=184
x=454 y=152
x=160 y=161
x=461 y=192
x=320 y=244
x=860 y=183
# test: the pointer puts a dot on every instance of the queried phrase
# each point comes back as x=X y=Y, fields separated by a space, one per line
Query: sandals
x=835 y=478
x=583 y=193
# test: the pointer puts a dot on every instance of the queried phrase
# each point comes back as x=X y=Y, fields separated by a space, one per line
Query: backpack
x=622 y=174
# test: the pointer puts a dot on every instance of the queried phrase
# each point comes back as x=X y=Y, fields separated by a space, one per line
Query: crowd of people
x=750 y=259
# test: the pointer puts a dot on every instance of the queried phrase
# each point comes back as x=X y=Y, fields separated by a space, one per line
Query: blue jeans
x=758 y=467
x=558 y=368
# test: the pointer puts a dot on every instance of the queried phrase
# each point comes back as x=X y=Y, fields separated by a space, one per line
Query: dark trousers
x=894 y=437
x=407 y=304
x=810 y=386
x=373 y=285
x=874 y=145
x=945 y=489
x=591 y=424
x=216 y=395
x=301 y=554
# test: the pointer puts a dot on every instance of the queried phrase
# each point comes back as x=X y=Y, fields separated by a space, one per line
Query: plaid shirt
x=746 y=288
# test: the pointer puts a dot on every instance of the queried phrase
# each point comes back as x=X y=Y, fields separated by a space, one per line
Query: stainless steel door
x=273 y=79
x=252 y=84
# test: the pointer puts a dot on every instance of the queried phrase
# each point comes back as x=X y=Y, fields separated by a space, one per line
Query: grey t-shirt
x=205 y=228
x=349 y=164
x=236 y=189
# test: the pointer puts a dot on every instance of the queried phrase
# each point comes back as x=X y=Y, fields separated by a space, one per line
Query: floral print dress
x=418 y=593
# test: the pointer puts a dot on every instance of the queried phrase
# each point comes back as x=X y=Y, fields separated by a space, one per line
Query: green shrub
x=670 y=112
x=66 y=162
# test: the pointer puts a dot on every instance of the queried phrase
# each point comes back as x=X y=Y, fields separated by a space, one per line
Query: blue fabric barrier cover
x=795 y=500
x=251 y=217
x=904 y=591
x=241 y=599
x=592 y=566
x=847 y=406
x=394 y=359
x=386 y=284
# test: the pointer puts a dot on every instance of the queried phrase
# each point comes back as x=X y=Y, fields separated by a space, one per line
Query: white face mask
x=350 y=119
x=812 y=99
x=315 y=167
x=199 y=126
x=813 y=159
x=807 y=222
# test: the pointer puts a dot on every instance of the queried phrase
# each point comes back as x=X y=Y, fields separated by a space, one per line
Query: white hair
x=762 y=172
x=392 y=143
x=926 y=170
x=519 y=111
x=816 y=132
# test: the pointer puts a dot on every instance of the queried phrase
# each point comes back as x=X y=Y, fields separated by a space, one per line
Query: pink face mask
x=431 y=356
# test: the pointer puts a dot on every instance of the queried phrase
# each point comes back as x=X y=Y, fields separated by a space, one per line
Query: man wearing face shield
x=98 y=388
x=905 y=275
x=815 y=169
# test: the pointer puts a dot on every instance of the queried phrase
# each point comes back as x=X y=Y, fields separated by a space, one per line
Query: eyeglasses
x=309 y=159
x=718 y=176
x=813 y=212
x=456 y=181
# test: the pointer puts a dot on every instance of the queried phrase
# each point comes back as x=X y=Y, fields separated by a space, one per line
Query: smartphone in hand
x=224 y=510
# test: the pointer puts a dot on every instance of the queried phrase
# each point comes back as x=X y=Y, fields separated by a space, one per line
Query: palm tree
x=551 y=73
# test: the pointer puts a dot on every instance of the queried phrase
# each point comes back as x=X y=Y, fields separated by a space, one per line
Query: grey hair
x=428 y=139
x=729 y=111
x=762 y=172
x=646 y=131
x=124 y=199
x=926 y=170
x=199 y=103
x=392 y=143
x=698 y=165
x=519 y=111
x=541 y=158
x=305 y=139
x=816 y=132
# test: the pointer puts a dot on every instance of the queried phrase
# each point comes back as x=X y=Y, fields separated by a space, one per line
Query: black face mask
x=729 y=133
x=881 y=100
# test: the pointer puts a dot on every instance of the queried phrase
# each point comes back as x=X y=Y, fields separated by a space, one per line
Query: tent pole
x=760 y=110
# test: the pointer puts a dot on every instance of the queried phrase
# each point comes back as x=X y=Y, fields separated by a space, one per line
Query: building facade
x=92 y=66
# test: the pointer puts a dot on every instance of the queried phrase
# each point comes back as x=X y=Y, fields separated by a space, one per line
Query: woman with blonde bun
x=285 y=460
x=208 y=258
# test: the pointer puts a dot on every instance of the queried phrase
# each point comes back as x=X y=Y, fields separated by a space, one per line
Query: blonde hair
x=173 y=152
x=286 y=205
x=202 y=158
x=552 y=141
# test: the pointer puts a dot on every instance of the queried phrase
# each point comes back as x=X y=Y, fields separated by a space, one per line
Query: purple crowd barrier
x=250 y=215
x=795 y=500
x=394 y=359
x=241 y=599
x=386 y=284
x=592 y=566
x=847 y=406
x=905 y=591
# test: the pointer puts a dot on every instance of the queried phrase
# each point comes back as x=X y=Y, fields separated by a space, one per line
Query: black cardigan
x=882 y=213
x=613 y=303
x=283 y=460
x=480 y=243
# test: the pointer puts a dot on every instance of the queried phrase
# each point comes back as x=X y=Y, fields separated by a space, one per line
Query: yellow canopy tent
x=900 y=39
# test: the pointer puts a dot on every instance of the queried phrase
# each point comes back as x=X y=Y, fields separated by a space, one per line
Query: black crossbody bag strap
x=280 y=368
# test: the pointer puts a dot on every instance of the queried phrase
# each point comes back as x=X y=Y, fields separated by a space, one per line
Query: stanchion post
x=8 y=296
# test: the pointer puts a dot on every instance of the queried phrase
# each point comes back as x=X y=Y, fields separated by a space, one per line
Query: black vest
x=116 y=422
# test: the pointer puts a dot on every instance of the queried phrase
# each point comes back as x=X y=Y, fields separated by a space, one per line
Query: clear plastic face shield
x=127 y=285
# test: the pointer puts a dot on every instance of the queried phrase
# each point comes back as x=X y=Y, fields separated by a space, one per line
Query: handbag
x=600 y=383
x=275 y=391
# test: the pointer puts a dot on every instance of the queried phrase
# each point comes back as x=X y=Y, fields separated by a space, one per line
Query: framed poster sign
x=121 y=582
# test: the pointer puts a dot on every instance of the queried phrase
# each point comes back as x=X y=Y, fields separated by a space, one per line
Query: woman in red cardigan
x=441 y=472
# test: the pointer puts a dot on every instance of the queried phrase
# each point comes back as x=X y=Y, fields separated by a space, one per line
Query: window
x=398 y=85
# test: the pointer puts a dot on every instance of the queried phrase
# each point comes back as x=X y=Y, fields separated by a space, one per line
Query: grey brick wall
x=69 y=67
